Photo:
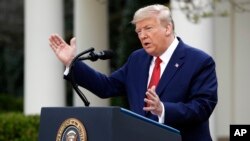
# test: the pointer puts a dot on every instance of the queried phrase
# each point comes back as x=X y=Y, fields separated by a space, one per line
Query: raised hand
x=153 y=102
x=64 y=52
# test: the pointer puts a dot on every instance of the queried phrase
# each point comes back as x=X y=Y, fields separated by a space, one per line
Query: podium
x=101 y=124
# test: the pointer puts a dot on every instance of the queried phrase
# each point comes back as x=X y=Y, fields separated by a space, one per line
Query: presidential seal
x=71 y=130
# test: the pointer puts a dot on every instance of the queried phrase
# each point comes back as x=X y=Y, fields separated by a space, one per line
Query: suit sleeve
x=102 y=85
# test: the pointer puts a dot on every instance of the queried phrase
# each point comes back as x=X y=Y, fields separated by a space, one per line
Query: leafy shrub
x=10 y=103
x=18 y=127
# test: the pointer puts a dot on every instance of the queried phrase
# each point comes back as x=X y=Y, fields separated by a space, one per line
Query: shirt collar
x=165 y=57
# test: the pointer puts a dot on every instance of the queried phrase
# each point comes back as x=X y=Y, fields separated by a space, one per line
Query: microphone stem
x=80 y=94
x=72 y=77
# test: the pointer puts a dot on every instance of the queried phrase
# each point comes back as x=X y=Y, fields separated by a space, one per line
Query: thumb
x=73 y=42
x=153 y=88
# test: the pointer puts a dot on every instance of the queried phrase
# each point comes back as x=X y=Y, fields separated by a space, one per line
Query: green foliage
x=18 y=127
x=11 y=45
x=10 y=103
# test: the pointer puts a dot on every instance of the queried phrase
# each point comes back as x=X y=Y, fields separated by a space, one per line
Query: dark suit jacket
x=187 y=88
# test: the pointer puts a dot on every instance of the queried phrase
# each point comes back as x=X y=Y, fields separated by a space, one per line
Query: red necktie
x=155 y=77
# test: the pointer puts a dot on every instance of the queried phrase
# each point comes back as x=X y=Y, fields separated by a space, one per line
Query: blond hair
x=161 y=11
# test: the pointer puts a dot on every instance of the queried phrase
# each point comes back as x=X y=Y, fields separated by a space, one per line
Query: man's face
x=153 y=35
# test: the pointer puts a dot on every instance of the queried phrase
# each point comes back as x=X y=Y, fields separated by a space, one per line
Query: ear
x=168 y=29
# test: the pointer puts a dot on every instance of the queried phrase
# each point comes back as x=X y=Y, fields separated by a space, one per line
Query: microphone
x=93 y=56
x=103 y=55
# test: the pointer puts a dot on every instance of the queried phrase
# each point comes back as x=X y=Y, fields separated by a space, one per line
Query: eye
x=148 y=28
x=138 y=32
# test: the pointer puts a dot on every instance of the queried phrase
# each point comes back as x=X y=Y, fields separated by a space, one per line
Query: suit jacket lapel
x=174 y=64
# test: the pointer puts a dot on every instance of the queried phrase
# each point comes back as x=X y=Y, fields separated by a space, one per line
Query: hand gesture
x=64 y=52
x=153 y=102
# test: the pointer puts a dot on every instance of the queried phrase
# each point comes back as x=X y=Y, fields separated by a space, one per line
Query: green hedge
x=10 y=103
x=18 y=127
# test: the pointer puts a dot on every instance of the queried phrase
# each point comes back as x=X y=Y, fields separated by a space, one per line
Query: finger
x=150 y=105
x=151 y=94
x=53 y=43
x=73 y=41
x=149 y=108
x=59 y=40
x=52 y=47
x=150 y=102
x=56 y=40
x=153 y=88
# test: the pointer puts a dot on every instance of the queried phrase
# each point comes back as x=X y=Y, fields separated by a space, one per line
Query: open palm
x=64 y=52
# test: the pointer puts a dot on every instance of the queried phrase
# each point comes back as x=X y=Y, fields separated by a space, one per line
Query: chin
x=150 y=52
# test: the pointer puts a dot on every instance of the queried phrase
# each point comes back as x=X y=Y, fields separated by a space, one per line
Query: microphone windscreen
x=106 y=54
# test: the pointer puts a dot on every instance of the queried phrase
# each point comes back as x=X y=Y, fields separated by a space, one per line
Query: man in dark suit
x=167 y=80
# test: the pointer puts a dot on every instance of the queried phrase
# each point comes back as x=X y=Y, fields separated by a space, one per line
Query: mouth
x=146 y=44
